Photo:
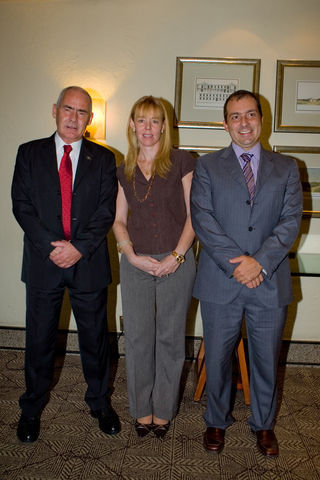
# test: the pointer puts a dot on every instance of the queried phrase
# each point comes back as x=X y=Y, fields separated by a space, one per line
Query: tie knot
x=246 y=157
x=67 y=149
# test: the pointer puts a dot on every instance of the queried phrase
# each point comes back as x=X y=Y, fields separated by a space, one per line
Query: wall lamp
x=97 y=129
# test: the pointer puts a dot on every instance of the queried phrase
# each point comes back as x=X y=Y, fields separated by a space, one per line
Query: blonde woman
x=157 y=266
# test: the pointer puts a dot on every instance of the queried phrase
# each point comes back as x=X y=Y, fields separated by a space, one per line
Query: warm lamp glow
x=97 y=129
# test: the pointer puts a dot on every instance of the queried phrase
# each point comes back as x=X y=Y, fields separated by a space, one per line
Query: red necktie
x=248 y=174
x=65 y=174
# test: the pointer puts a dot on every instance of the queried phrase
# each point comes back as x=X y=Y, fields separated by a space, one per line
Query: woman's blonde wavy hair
x=162 y=162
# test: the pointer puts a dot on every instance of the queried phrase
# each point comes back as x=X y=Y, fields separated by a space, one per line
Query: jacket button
x=248 y=202
x=250 y=229
x=247 y=254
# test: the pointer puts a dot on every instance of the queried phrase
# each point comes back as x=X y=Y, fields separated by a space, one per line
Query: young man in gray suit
x=246 y=206
x=64 y=190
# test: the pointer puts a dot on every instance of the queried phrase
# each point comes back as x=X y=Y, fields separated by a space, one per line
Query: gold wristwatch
x=179 y=257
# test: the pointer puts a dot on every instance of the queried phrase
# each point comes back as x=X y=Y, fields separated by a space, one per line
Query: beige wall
x=125 y=49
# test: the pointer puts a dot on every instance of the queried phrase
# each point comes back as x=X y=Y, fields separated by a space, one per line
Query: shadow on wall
x=267 y=123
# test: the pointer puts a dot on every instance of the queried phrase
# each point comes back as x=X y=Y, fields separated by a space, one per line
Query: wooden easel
x=243 y=378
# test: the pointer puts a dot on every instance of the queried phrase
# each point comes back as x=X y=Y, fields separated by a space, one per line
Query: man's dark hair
x=238 y=95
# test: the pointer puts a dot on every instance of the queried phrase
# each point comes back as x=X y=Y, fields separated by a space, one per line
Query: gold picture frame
x=196 y=150
x=308 y=160
x=297 y=103
x=203 y=84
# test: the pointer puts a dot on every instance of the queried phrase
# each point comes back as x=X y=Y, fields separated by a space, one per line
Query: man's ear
x=225 y=126
x=54 y=110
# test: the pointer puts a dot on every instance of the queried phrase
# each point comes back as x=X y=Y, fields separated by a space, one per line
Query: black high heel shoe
x=161 y=430
x=143 y=429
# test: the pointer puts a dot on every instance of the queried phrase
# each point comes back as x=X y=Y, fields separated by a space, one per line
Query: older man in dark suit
x=246 y=207
x=63 y=192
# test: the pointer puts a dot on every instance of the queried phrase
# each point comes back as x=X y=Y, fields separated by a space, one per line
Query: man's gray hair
x=67 y=89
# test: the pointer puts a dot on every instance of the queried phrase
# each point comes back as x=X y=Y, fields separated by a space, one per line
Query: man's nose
x=73 y=114
x=243 y=120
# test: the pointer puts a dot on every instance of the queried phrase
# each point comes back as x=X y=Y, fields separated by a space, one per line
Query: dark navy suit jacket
x=37 y=207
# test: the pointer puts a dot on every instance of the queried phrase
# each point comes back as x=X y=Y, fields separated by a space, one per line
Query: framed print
x=297 y=107
x=197 y=151
x=308 y=159
x=204 y=84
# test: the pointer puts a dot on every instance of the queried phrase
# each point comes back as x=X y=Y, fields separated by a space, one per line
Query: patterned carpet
x=71 y=446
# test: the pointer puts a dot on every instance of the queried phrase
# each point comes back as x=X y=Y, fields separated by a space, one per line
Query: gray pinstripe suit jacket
x=227 y=226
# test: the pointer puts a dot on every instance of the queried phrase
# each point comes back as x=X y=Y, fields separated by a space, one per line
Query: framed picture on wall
x=308 y=159
x=197 y=151
x=297 y=107
x=203 y=85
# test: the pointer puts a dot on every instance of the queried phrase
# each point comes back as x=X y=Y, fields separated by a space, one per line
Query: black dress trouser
x=42 y=318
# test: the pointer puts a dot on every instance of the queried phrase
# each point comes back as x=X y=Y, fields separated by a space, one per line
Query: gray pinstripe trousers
x=154 y=312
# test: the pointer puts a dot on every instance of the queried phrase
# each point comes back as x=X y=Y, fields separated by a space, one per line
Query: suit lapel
x=84 y=162
x=265 y=169
x=48 y=163
x=47 y=177
x=231 y=164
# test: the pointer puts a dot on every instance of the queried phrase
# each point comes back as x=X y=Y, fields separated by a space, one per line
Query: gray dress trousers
x=154 y=312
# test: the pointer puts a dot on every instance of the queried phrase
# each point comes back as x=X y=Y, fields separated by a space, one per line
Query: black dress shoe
x=213 y=439
x=109 y=422
x=161 y=430
x=28 y=429
x=143 y=429
x=267 y=443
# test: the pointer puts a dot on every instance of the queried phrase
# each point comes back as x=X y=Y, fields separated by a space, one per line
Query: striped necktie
x=248 y=175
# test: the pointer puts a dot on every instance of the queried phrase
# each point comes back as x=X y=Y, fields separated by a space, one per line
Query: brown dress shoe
x=213 y=439
x=267 y=442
